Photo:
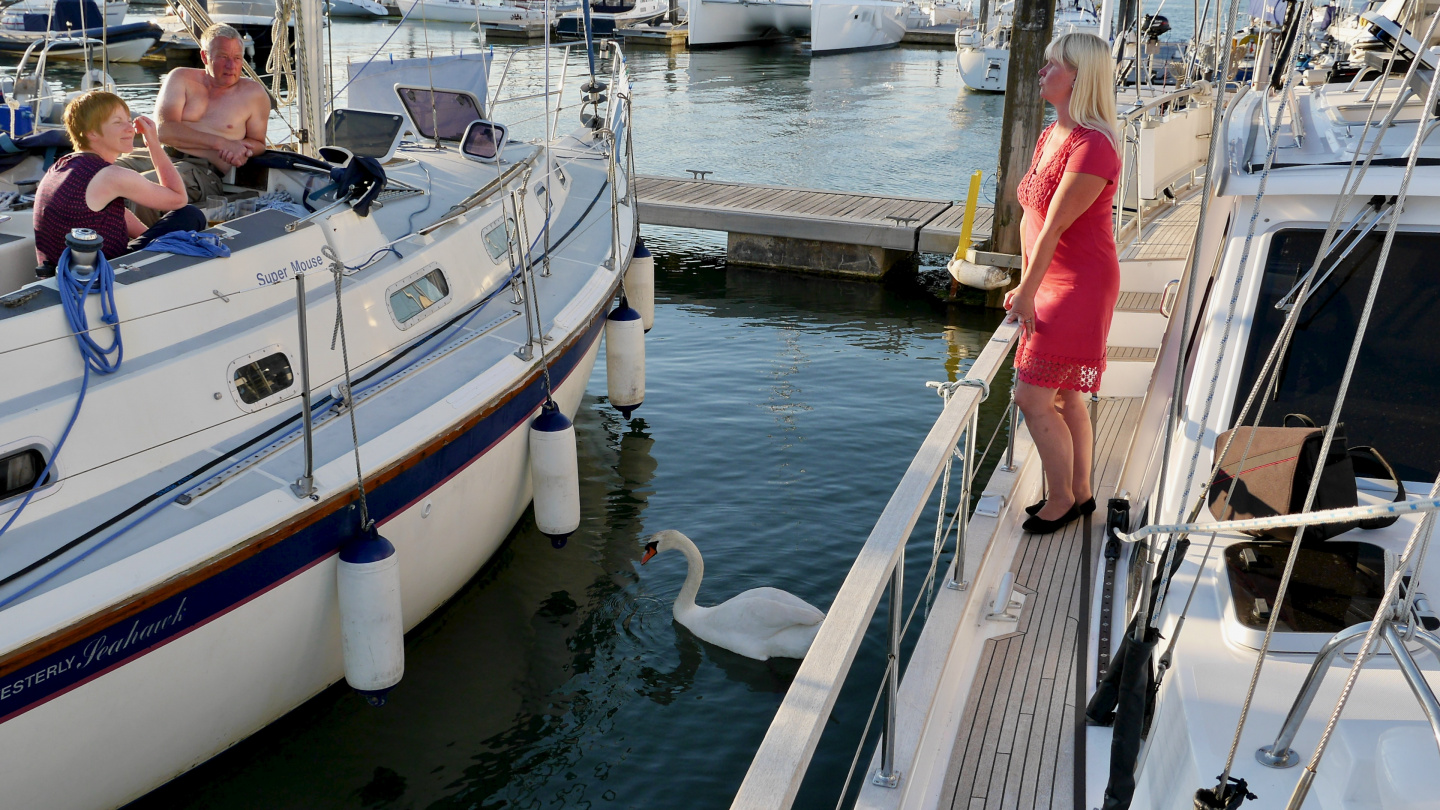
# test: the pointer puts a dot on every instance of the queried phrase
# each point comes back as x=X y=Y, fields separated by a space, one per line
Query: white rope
x=1342 y=515
x=282 y=71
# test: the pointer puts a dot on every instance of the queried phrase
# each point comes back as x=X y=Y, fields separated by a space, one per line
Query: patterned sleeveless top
x=60 y=206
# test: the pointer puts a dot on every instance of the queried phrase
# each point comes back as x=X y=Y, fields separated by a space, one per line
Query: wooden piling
x=1024 y=118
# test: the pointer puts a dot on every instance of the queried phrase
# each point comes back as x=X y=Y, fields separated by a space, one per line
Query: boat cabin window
x=263 y=378
x=483 y=141
x=19 y=472
x=497 y=237
x=1335 y=584
x=413 y=299
x=446 y=112
x=1391 y=400
x=365 y=133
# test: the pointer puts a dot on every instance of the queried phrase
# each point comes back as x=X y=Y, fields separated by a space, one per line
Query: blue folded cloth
x=189 y=243
x=293 y=209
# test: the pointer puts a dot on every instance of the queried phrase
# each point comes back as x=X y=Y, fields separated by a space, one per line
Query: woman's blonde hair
x=88 y=113
x=1092 y=101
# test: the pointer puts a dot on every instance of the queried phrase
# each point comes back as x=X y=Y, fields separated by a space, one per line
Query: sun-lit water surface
x=780 y=413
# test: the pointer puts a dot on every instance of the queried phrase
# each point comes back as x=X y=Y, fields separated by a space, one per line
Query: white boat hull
x=729 y=22
x=213 y=686
x=472 y=13
x=356 y=8
x=838 y=26
x=984 y=69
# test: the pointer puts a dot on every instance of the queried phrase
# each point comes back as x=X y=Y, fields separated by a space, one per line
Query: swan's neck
x=696 y=565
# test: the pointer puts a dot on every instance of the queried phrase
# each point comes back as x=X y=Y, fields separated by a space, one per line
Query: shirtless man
x=213 y=118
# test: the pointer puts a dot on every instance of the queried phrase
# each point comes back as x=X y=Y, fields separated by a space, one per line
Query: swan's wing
x=766 y=611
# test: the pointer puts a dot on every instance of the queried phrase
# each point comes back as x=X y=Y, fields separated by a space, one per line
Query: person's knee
x=1032 y=398
x=189 y=218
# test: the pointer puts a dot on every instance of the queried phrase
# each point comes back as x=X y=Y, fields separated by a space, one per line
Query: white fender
x=555 y=472
x=640 y=283
x=372 y=631
x=625 y=358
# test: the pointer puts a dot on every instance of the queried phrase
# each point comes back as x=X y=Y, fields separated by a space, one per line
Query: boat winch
x=640 y=283
x=555 y=472
x=372 y=632
x=625 y=358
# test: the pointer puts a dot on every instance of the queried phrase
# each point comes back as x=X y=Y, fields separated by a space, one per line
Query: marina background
x=780 y=412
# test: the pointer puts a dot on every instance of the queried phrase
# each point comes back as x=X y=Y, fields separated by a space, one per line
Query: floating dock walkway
x=835 y=232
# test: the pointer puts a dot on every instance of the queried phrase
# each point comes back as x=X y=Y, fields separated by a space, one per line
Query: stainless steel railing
x=780 y=763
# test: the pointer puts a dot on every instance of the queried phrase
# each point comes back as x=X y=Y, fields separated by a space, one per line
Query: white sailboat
x=170 y=555
x=983 y=54
x=1168 y=652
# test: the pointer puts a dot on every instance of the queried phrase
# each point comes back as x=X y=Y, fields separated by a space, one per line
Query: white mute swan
x=760 y=623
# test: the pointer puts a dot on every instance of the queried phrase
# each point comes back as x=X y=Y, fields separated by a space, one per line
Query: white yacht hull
x=838 y=26
x=472 y=13
x=356 y=8
x=984 y=69
x=730 y=22
x=212 y=686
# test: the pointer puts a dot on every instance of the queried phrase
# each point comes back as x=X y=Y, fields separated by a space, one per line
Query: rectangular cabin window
x=20 y=471
x=411 y=301
x=497 y=238
x=1391 y=401
x=263 y=378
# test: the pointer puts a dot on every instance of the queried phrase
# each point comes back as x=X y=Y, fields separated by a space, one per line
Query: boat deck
x=1170 y=235
x=1016 y=746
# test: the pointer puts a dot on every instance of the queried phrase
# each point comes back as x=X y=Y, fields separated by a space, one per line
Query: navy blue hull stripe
x=301 y=546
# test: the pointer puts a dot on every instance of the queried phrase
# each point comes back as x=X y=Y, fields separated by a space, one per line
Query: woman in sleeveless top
x=1070 y=276
x=85 y=190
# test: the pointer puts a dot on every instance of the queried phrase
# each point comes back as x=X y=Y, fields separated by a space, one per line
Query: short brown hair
x=88 y=112
x=218 y=31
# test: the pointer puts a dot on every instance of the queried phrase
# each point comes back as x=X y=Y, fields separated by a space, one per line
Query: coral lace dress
x=1077 y=296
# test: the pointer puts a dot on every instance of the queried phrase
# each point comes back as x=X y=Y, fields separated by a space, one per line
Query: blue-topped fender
x=641 y=252
x=369 y=547
x=550 y=420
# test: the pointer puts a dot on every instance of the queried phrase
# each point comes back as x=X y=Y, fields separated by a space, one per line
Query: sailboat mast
x=309 y=74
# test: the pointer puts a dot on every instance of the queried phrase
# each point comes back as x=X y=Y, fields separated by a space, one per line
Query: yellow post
x=967 y=225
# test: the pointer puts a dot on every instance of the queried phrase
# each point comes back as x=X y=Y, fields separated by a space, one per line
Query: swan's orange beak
x=651 y=549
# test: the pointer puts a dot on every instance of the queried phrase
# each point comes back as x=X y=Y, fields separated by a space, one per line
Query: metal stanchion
x=304 y=486
x=888 y=776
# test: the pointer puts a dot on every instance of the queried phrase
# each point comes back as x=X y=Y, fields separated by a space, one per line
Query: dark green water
x=780 y=413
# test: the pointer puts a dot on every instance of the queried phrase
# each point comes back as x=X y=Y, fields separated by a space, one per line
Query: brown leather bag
x=1277 y=473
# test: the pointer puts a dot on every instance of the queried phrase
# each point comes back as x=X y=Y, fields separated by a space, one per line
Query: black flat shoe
x=1039 y=525
x=1085 y=508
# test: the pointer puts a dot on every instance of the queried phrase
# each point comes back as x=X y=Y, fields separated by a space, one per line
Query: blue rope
x=74 y=291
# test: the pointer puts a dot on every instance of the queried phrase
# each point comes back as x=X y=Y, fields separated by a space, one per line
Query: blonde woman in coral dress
x=1070 y=276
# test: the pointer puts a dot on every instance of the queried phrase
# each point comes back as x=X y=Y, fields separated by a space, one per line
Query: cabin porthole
x=260 y=379
x=21 y=464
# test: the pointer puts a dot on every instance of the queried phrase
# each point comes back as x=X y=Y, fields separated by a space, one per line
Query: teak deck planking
x=1015 y=749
